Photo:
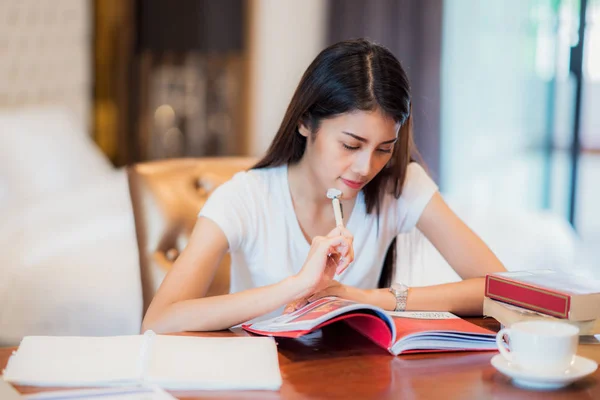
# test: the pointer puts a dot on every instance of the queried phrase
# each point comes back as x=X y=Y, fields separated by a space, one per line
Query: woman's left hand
x=334 y=288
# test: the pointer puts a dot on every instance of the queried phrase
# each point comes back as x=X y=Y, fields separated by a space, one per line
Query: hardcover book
x=507 y=314
x=550 y=292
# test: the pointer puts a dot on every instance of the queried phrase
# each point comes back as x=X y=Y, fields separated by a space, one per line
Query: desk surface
x=337 y=362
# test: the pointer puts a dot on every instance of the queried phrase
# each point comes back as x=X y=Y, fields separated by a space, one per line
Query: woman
x=348 y=126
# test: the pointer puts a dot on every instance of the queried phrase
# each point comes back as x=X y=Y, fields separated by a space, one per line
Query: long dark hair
x=348 y=76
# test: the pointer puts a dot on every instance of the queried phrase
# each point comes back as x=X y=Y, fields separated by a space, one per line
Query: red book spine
x=547 y=301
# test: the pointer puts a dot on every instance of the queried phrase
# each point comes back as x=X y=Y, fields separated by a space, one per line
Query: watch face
x=399 y=287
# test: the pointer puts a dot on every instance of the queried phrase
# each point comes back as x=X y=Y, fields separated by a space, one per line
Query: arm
x=179 y=304
x=466 y=253
x=461 y=248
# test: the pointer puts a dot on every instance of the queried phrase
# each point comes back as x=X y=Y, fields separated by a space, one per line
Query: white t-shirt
x=254 y=209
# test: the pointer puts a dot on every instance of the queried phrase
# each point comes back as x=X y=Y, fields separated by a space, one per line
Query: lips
x=352 y=184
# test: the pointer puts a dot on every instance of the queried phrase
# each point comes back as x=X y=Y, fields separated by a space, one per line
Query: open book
x=170 y=362
x=397 y=332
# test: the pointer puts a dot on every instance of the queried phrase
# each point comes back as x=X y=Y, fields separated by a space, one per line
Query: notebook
x=171 y=362
x=397 y=332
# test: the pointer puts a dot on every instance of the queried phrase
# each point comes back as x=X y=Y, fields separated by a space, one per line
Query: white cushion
x=43 y=150
x=69 y=264
x=521 y=239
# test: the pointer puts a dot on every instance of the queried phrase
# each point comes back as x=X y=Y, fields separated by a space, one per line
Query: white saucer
x=544 y=381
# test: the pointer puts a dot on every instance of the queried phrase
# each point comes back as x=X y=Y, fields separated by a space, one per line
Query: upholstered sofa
x=85 y=245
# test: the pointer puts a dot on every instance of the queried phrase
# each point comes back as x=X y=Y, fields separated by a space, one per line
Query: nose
x=362 y=163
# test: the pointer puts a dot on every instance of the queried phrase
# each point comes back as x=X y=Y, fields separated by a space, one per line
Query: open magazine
x=397 y=332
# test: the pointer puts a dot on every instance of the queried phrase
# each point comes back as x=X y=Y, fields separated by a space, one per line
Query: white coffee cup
x=539 y=346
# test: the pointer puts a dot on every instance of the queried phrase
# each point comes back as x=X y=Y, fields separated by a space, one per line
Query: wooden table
x=337 y=362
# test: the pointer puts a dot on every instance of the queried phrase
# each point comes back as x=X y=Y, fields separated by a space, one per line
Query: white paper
x=171 y=362
x=236 y=363
x=75 y=361
x=423 y=314
x=126 y=393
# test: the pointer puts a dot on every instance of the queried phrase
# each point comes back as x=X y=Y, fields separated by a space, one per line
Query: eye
x=388 y=151
x=349 y=147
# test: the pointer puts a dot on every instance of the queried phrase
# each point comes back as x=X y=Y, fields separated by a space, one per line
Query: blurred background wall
x=505 y=91
x=46 y=55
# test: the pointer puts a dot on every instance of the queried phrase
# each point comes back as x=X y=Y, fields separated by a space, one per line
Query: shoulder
x=417 y=183
x=248 y=186
x=251 y=182
x=417 y=190
x=239 y=205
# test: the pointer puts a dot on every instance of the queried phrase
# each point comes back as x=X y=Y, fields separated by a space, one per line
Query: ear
x=303 y=130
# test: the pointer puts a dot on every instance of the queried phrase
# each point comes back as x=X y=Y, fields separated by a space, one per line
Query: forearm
x=222 y=312
x=462 y=298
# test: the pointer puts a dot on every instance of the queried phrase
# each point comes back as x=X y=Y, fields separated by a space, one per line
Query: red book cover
x=399 y=333
x=550 y=292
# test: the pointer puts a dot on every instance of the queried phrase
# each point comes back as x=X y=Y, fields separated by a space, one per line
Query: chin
x=348 y=194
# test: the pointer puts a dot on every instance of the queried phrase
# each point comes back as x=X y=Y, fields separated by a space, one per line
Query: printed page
x=311 y=315
x=209 y=363
x=74 y=361
x=423 y=322
x=441 y=331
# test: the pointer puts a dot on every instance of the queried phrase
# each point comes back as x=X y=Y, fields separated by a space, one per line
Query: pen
x=334 y=195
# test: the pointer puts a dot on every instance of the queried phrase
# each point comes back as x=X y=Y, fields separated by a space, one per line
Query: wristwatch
x=400 y=292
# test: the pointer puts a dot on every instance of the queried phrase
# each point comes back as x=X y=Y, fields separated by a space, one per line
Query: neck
x=312 y=207
x=302 y=180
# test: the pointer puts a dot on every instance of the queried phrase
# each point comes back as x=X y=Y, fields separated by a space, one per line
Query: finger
x=348 y=257
x=295 y=305
x=326 y=246
x=339 y=245
x=300 y=303
x=289 y=308
x=335 y=257
x=344 y=263
x=317 y=296
x=331 y=290
x=348 y=235
x=344 y=250
x=329 y=271
x=343 y=231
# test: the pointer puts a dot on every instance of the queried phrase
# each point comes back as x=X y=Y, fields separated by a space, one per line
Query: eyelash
x=351 y=148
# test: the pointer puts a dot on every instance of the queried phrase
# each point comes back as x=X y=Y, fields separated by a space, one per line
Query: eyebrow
x=362 y=139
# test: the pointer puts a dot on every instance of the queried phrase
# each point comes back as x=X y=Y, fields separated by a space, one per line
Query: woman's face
x=350 y=149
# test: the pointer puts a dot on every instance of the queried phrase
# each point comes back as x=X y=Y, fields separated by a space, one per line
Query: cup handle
x=502 y=345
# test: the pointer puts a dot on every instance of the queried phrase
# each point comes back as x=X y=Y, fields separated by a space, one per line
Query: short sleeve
x=417 y=191
x=229 y=206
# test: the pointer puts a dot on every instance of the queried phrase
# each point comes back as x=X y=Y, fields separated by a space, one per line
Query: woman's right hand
x=327 y=256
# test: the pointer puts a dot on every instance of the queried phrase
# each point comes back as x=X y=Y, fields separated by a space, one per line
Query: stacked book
x=543 y=295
